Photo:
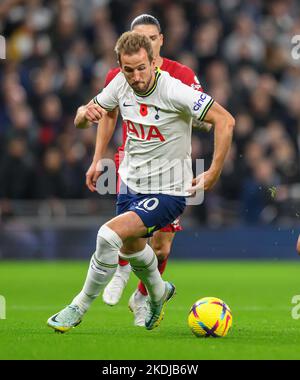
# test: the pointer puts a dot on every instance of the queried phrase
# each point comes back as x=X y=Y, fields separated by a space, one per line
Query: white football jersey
x=157 y=154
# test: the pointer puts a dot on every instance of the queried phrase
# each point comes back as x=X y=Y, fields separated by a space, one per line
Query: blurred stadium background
x=57 y=56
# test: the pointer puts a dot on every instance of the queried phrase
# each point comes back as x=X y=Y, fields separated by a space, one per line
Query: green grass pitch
x=259 y=294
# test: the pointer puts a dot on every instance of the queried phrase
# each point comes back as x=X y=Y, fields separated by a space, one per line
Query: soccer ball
x=210 y=316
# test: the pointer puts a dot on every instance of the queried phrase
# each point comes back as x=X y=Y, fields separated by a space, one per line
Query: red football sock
x=161 y=267
x=122 y=262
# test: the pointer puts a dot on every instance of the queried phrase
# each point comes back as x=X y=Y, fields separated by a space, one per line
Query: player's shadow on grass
x=137 y=332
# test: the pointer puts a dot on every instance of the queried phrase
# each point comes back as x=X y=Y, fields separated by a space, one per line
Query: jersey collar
x=152 y=89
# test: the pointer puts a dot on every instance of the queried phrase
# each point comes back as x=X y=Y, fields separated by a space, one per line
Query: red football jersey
x=176 y=70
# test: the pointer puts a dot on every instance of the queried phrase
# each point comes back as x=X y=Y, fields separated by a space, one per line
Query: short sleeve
x=189 y=101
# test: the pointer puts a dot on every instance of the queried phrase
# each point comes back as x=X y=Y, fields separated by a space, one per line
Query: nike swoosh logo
x=127 y=105
x=54 y=318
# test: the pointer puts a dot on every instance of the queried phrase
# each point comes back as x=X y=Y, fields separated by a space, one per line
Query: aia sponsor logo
x=144 y=133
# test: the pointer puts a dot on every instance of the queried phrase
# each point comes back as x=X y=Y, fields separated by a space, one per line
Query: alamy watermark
x=2 y=47
x=296 y=309
x=296 y=48
x=152 y=177
x=2 y=307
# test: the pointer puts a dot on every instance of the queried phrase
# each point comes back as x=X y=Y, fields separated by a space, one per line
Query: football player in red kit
x=161 y=241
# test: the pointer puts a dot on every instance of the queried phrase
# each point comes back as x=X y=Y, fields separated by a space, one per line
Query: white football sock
x=124 y=270
x=103 y=265
x=144 y=265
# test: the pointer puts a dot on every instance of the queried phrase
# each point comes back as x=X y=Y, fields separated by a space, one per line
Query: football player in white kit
x=158 y=110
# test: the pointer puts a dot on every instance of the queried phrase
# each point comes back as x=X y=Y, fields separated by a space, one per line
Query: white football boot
x=114 y=289
x=155 y=310
x=138 y=305
x=66 y=319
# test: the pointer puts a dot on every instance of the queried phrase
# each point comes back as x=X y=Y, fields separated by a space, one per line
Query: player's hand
x=204 y=181
x=93 y=173
x=93 y=112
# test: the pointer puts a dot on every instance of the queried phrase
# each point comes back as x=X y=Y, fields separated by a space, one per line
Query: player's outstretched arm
x=223 y=123
x=88 y=114
x=105 y=130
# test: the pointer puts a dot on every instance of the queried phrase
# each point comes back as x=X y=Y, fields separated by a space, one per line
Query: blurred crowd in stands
x=59 y=52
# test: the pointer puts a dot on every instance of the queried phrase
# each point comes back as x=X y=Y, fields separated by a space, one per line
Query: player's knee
x=107 y=241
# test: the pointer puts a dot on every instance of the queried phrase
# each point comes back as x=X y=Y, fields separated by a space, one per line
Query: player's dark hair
x=145 y=19
x=130 y=43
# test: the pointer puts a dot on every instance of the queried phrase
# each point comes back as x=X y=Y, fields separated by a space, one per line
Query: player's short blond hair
x=131 y=42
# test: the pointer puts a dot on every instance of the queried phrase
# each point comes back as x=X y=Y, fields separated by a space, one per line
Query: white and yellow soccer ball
x=210 y=316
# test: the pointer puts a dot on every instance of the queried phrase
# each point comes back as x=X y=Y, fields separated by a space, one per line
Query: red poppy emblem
x=143 y=110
